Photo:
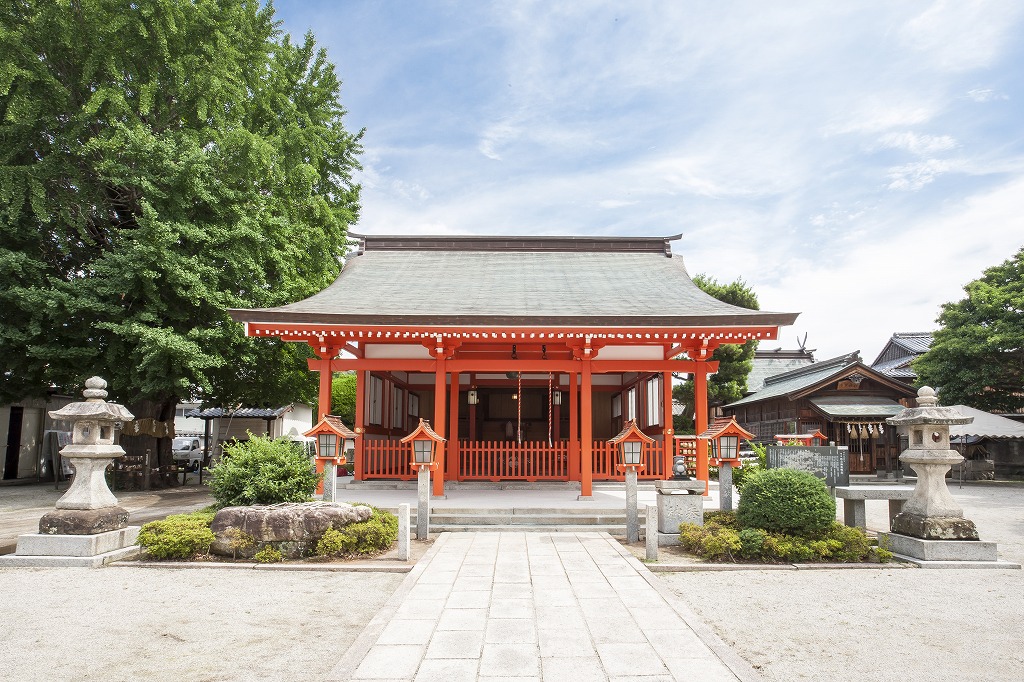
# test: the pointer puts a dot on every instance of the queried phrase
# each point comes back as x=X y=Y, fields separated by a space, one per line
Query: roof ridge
x=815 y=367
x=563 y=243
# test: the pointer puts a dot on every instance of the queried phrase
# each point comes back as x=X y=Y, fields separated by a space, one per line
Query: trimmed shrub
x=752 y=543
x=268 y=555
x=740 y=474
x=710 y=541
x=786 y=501
x=262 y=471
x=179 y=536
x=373 y=536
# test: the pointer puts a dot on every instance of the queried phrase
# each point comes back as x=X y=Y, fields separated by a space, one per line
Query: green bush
x=372 y=536
x=710 y=541
x=752 y=543
x=786 y=501
x=262 y=471
x=722 y=538
x=179 y=536
x=740 y=474
x=268 y=555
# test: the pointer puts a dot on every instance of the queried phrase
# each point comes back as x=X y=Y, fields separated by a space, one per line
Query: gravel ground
x=126 y=623
x=878 y=624
x=133 y=623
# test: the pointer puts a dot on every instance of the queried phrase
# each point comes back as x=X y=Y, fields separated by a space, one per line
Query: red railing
x=387 y=459
x=530 y=461
x=607 y=458
x=502 y=460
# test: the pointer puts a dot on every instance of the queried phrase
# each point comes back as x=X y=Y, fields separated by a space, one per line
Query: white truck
x=188 y=453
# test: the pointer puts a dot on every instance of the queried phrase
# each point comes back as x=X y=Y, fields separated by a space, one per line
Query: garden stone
x=293 y=528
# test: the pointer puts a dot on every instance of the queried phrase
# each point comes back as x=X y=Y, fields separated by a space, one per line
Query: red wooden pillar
x=574 y=428
x=668 y=430
x=453 y=430
x=360 y=426
x=324 y=402
x=586 y=434
x=439 y=425
x=700 y=419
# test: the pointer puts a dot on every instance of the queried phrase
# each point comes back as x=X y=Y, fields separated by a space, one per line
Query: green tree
x=977 y=356
x=160 y=163
x=734 y=361
x=343 y=398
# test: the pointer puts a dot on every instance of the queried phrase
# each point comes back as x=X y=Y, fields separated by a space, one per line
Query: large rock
x=293 y=528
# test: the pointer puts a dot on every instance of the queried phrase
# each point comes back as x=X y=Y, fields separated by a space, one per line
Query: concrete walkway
x=535 y=606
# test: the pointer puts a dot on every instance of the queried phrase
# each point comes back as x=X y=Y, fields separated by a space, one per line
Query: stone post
x=652 y=533
x=403 y=532
x=423 y=503
x=725 y=485
x=632 y=517
x=330 y=481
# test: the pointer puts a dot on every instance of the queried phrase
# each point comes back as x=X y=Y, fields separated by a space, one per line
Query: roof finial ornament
x=94 y=390
x=926 y=397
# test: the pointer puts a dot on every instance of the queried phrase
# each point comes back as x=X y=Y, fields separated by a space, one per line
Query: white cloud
x=921 y=145
x=962 y=35
x=615 y=203
x=986 y=95
x=913 y=176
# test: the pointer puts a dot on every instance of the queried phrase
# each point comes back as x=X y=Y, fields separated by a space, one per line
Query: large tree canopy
x=735 y=361
x=161 y=162
x=977 y=356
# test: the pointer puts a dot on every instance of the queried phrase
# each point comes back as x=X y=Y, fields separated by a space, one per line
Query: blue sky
x=857 y=162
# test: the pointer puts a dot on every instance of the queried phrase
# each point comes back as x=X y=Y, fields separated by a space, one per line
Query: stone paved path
x=535 y=606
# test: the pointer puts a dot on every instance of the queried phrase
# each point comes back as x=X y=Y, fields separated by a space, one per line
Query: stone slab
x=15 y=560
x=676 y=509
x=37 y=544
x=671 y=487
x=875 y=492
x=940 y=550
x=668 y=539
x=921 y=563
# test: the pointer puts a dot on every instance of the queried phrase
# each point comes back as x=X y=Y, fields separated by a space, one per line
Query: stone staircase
x=516 y=517
x=527 y=519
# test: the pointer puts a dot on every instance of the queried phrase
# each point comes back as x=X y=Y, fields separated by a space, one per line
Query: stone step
x=613 y=530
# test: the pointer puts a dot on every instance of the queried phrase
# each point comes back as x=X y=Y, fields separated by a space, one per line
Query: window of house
x=631 y=404
x=617 y=405
x=397 y=408
x=375 y=400
x=655 y=405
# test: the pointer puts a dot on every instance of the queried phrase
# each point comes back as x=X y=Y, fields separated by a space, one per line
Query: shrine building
x=525 y=353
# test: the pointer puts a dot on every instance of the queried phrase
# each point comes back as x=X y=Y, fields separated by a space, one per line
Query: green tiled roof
x=860 y=407
x=800 y=378
x=516 y=281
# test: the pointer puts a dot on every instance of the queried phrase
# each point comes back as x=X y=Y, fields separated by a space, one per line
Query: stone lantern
x=88 y=506
x=87 y=526
x=631 y=442
x=425 y=443
x=932 y=526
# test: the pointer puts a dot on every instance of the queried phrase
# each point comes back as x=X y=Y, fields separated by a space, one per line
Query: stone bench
x=854 y=497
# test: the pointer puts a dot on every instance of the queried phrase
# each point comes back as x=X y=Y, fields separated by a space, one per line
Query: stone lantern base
x=83 y=521
x=934 y=527
x=964 y=553
x=84 y=551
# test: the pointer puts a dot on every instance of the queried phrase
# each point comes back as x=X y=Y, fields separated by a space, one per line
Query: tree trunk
x=160 y=448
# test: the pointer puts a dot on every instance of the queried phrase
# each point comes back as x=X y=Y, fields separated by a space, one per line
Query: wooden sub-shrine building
x=526 y=353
